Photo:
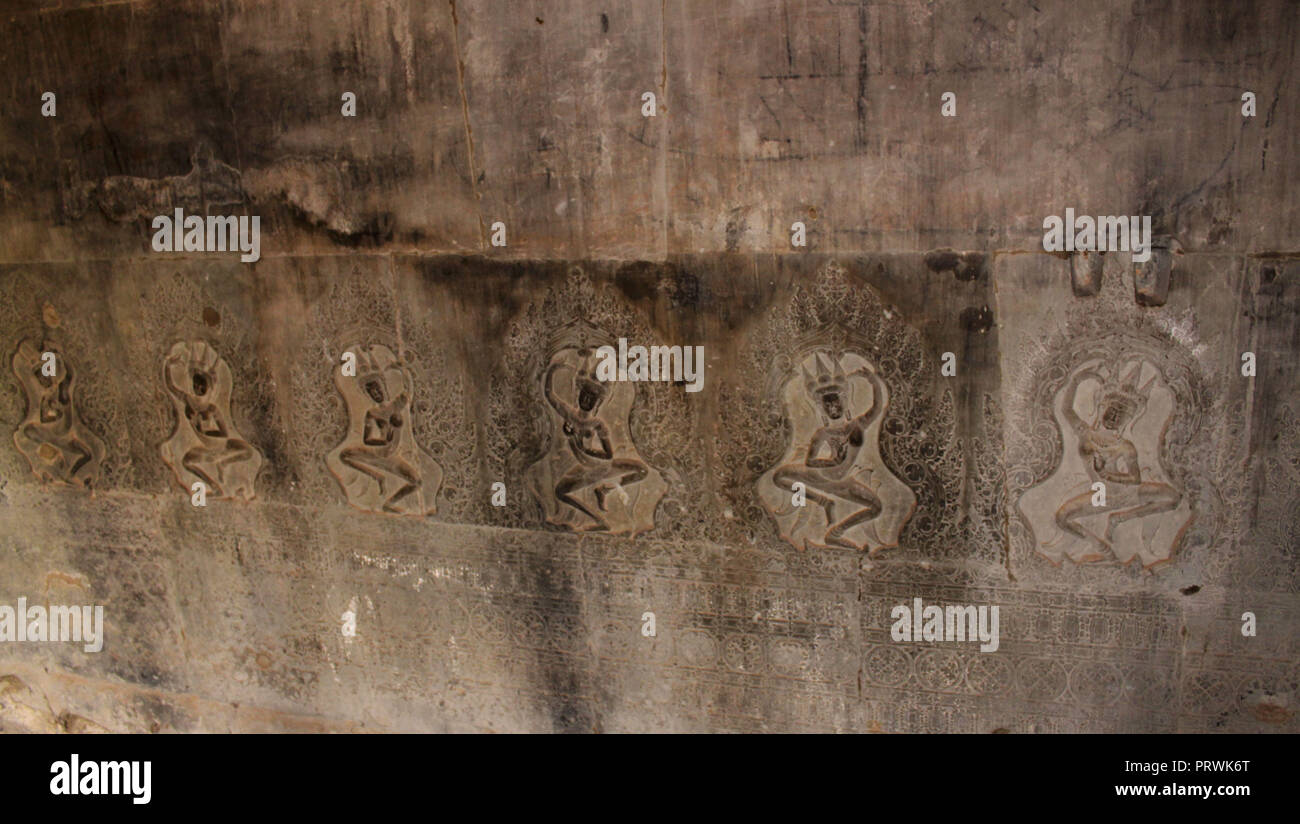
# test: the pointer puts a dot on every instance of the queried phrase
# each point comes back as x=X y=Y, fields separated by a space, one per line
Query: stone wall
x=350 y=569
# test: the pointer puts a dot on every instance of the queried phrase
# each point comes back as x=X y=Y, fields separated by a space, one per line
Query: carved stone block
x=1151 y=279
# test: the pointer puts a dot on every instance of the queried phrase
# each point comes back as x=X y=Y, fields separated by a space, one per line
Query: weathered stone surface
x=472 y=111
x=945 y=393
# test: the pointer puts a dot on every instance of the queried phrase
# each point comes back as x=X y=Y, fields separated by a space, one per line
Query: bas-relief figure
x=592 y=477
x=835 y=403
x=205 y=445
x=1113 y=417
x=51 y=436
x=379 y=465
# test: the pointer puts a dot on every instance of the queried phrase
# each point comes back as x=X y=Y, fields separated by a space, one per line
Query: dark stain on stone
x=966 y=266
x=645 y=281
x=161 y=713
x=736 y=227
x=1191 y=590
x=944 y=260
x=604 y=24
x=684 y=290
x=977 y=320
x=539 y=20
x=1272 y=713
x=277 y=472
x=561 y=680
x=864 y=72
x=972 y=266
x=211 y=317
x=639 y=280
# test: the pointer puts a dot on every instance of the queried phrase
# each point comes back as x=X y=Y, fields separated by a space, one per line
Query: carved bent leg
x=82 y=467
x=204 y=463
x=1152 y=498
x=629 y=473
x=827 y=493
x=580 y=479
x=386 y=472
x=31 y=447
x=1067 y=518
x=860 y=494
x=213 y=466
x=787 y=476
x=72 y=452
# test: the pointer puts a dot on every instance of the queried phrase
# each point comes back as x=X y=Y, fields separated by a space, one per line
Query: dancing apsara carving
x=60 y=448
x=592 y=477
x=850 y=500
x=379 y=465
x=205 y=445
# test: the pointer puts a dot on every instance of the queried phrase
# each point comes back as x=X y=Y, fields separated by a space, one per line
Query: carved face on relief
x=1119 y=409
x=590 y=394
x=827 y=387
x=832 y=488
x=199 y=379
x=832 y=408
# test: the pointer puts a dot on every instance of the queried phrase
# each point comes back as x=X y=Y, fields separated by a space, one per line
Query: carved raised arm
x=167 y=377
x=869 y=417
x=1067 y=400
x=567 y=412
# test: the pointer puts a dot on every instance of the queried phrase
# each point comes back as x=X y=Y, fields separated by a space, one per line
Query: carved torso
x=1109 y=457
x=835 y=448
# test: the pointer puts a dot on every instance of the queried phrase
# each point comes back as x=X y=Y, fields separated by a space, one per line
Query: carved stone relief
x=834 y=391
x=1112 y=416
x=205 y=445
x=1117 y=454
x=52 y=437
x=835 y=403
x=592 y=477
x=612 y=457
x=379 y=465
